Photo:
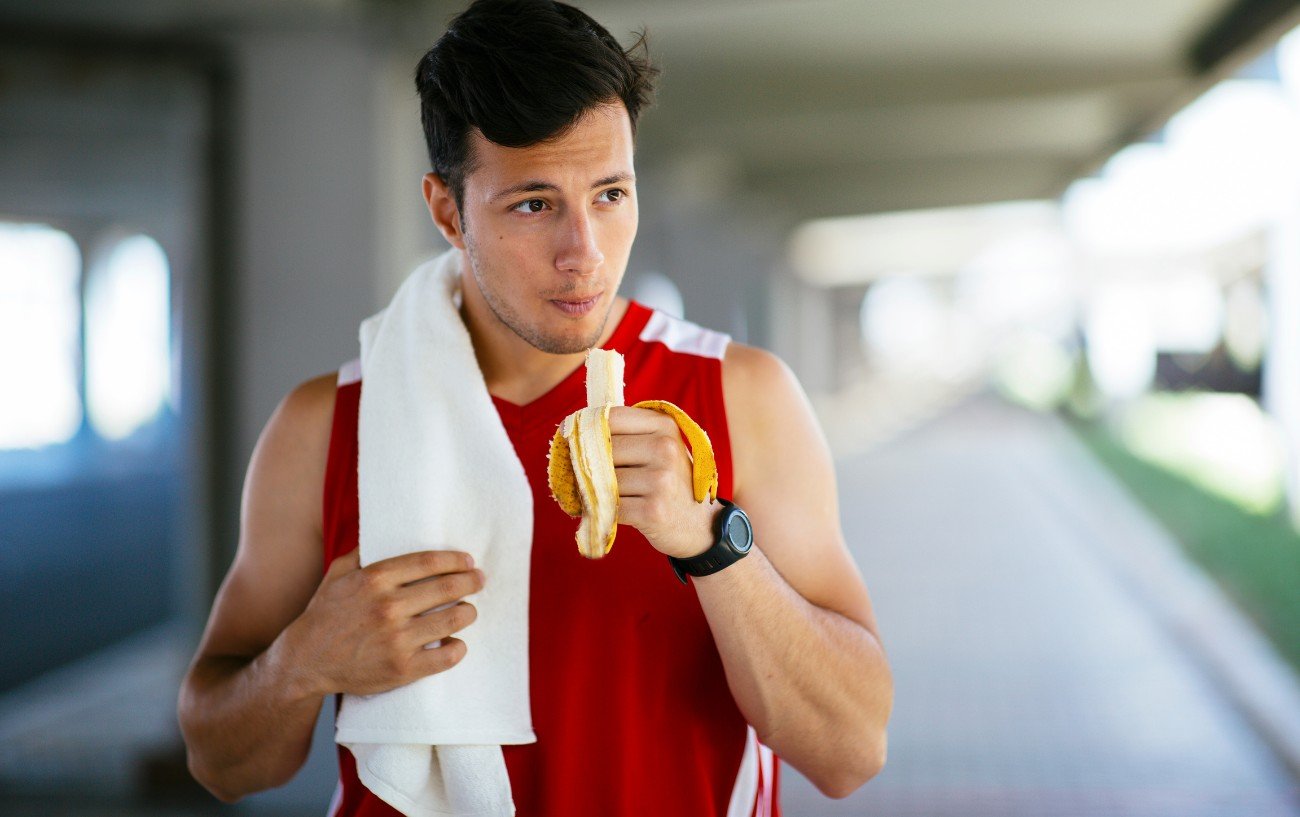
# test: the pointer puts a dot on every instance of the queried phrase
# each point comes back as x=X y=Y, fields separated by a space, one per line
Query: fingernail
x=471 y=560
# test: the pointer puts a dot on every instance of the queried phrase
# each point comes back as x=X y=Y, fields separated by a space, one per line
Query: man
x=648 y=697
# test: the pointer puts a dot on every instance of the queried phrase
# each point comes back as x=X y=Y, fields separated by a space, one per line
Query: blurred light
x=128 y=337
x=1245 y=325
x=1187 y=311
x=1129 y=321
x=1034 y=370
x=1024 y=280
x=1288 y=64
x=1228 y=161
x=856 y=250
x=902 y=323
x=1121 y=345
x=1223 y=442
x=40 y=271
x=656 y=290
x=909 y=330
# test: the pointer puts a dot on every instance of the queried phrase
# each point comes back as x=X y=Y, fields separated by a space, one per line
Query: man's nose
x=579 y=251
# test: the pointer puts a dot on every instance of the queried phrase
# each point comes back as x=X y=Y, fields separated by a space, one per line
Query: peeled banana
x=580 y=471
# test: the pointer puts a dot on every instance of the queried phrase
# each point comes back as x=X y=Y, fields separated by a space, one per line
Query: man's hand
x=365 y=629
x=655 y=488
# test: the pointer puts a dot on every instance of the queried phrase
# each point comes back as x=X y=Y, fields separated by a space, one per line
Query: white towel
x=437 y=471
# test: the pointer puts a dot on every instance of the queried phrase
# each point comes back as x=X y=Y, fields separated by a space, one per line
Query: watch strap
x=717 y=557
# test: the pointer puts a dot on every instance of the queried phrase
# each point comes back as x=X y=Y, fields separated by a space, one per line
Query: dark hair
x=522 y=72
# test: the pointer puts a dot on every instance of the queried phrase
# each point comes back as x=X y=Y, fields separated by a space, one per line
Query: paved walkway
x=1029 y=679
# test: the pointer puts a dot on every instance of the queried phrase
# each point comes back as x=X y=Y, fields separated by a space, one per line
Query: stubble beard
x=551 y=344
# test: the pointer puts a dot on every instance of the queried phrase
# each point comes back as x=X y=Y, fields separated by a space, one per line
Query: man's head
x=519 y=72
x=529 y=110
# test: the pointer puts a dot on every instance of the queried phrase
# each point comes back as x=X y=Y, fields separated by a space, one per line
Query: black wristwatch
x=733 y=536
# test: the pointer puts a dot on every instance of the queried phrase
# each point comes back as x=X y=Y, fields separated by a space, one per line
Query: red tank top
x=629 y=699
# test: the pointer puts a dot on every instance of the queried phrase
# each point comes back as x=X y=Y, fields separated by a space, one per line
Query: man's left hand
x=655 y=486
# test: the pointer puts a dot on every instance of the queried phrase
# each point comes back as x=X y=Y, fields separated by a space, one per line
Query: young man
x=649 y=697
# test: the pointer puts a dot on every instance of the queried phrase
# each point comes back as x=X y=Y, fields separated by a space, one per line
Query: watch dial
x=739 y=533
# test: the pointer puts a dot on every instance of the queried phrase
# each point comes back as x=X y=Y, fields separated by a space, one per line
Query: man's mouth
x=576 y=306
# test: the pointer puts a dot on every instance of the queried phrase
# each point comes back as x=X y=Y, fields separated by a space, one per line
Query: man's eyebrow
x=539 y=186
x=616 y=178
x=531 y=186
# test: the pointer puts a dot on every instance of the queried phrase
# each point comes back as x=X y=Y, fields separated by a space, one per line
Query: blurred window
x=128 y=338
x=127 y=316
x=40 y=313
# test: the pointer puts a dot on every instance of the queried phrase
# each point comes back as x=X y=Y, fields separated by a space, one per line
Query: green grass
x=1255 y=559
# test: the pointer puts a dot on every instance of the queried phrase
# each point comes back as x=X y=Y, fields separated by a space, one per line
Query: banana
x=580 y=469
x=604 y=377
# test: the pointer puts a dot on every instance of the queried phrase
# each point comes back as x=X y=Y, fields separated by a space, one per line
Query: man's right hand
x=365 y=629
x=280 y=637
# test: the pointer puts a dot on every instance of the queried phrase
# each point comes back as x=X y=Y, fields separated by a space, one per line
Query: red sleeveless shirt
x=630 y=702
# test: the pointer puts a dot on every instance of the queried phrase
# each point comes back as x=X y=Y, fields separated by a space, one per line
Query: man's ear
x=443 y=209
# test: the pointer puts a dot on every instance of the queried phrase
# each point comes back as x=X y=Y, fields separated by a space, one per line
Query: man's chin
x=567 y=338
x=566 y=345
x=571 y=343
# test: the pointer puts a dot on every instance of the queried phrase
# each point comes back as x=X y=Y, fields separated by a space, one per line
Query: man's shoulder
x=753 y=370
x=762 y=396
x=312 y=398
x=302 y=421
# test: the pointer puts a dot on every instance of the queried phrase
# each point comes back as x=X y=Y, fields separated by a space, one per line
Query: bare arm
x=246 y=716
x=793 y=621
x=247 y=722
x=280 y=638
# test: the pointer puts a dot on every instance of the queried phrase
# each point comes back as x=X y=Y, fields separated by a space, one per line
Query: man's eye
x=617 y=194
x=531 y=206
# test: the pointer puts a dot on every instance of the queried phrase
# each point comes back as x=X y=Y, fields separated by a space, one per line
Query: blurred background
x=1036 y=263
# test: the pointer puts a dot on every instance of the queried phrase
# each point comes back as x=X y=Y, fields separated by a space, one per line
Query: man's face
x=553 y=222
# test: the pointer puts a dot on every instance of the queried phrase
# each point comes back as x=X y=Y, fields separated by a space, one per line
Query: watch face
x=739 y=532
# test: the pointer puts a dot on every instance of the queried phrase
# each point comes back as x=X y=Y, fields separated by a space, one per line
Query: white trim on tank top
x=752 y=793
x=680 y=335
x=350 y=372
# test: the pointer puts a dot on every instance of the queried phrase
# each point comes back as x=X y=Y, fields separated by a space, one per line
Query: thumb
x=347 y=562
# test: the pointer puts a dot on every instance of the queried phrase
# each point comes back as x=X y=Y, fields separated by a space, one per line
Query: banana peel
x=580 y=469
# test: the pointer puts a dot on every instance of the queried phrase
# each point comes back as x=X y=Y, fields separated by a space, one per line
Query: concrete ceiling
x=834 y=107
x=846 y=106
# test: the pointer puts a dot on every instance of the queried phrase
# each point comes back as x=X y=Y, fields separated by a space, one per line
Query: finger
x=632 y=510
x=634 y=449
x=631 y=420
x=439 y=659
x=436 y=626
x=421 y=597
x=635 y=481
x=421 y=564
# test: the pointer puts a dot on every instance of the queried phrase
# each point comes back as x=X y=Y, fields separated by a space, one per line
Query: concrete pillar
x=814 y=361
x=306 y=216
x=850 y=361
